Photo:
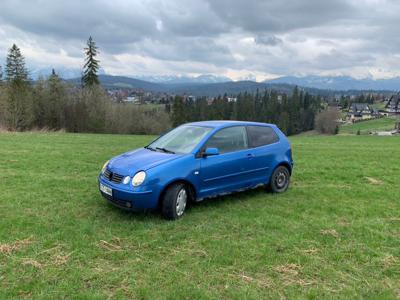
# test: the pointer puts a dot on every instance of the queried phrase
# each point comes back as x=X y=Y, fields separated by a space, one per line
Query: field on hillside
x=382 y=124
x=335 y=233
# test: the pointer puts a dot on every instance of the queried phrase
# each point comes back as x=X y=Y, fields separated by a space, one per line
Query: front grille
x=114 y=177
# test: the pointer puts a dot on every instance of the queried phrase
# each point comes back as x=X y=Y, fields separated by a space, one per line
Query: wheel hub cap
x=181 y=202
x=280 y=179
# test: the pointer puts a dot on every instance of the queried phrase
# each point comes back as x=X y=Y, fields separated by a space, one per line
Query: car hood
x=139 y=160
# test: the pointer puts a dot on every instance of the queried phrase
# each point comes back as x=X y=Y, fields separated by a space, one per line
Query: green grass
x=334 y=234
x=379 y=105
x=382 y=124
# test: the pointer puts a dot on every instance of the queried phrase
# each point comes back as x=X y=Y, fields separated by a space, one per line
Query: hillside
x=198 y=88
x=365 y=127
x=333 y=234
x=340 y=83
x=109 y=81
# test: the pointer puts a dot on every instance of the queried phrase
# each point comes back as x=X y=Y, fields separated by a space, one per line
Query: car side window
x=229 y=139
x=261 y=135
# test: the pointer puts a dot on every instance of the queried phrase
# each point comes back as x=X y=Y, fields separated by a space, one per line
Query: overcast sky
x=234 y=38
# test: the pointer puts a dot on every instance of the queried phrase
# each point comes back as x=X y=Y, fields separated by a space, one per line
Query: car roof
x=223 y=123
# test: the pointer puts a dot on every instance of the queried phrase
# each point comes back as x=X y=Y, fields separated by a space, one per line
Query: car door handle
x=250 y=155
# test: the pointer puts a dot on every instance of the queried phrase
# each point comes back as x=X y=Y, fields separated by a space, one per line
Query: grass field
x=382 y=124
x=334 y=234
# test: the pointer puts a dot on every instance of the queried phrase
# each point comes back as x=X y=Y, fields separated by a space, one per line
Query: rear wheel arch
x=284 y=164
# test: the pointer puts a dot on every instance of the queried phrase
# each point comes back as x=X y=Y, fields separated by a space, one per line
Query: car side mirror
x=210 y=152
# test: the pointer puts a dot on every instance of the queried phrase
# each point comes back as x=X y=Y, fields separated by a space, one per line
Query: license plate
x=105 y=189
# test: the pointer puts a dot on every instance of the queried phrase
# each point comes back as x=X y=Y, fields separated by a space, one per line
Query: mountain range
x=341 y=83
x=182 y=79
x=195 y=89
x=211 y=85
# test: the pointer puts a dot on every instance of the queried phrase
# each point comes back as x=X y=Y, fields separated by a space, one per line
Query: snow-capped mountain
x=178 y=79
x=340 y=82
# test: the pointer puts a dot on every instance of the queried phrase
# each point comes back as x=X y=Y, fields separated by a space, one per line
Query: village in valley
x=374 y=106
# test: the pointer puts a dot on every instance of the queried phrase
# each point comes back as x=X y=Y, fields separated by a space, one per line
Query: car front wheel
x=174 y=201
x=280 y=180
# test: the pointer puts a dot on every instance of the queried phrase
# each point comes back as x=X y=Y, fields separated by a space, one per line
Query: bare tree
x=327 y=121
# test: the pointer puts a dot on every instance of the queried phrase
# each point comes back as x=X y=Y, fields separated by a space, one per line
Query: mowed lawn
x=365 y=127
x=335 y=233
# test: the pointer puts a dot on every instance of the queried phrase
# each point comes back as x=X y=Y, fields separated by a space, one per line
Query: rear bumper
x=128 y=200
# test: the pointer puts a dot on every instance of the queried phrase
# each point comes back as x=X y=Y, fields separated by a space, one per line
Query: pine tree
x=178 y=111
x=18 y=103
x=1 y=74
x=91 y=66
x=56 y=101
x=15 y=68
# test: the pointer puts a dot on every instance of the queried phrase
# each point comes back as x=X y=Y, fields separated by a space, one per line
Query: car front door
x=226 y=171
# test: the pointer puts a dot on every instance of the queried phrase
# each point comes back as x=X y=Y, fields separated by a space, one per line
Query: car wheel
x=280 y=180
x=174 y=201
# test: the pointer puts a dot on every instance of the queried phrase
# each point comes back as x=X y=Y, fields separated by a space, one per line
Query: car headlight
x=138 y=178
x=104 y=167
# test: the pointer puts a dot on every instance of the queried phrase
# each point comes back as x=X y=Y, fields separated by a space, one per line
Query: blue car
x=196 y=161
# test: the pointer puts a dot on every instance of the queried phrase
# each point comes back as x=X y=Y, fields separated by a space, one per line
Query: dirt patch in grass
x=291 y=275
x=343 y=222
x=115 y=245
x=389 y=261
x=33 y=263
x=331 y=232
x=310 y=251
x=9 y=248
x=54 y=256
x=261 y=281
x=60 y=259
x=289 y=269
x=374 y=181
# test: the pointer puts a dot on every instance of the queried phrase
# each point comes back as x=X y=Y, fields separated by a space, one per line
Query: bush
x=326 y=121
x=129 y=118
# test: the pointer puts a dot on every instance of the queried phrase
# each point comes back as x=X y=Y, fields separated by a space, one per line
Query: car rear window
x=261 y=135
x=229 y=139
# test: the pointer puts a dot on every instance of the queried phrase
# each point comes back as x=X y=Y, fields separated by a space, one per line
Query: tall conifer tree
x=19 y=106
x=16 y=71
x=91 y=67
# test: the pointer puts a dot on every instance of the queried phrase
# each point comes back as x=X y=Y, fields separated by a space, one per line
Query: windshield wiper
x=149 y=148
x=165 y=150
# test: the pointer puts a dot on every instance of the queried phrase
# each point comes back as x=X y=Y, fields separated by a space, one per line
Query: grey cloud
x=280 y=16
x=187 y=49
x=78 y=19
x=269 y=40
x=336 y=59
x=285 y=36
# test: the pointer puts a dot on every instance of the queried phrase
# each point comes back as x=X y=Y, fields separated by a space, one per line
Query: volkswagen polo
x=196 y=161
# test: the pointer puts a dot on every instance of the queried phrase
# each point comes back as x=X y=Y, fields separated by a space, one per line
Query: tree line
x=54 y=104
x=346 y=101
x=292 y=113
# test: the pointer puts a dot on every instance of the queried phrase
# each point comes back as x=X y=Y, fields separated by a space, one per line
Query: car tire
x=280 y=180
x=174 y=201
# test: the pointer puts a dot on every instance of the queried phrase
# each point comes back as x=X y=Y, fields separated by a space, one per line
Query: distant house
x=191 y=98
x=132 y=99
x=361 y=111
x=393 y=105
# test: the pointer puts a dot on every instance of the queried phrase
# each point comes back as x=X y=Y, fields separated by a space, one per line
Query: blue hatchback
x=196 y=161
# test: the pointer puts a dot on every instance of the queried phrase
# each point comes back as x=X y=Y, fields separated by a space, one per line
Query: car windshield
x=182 y=139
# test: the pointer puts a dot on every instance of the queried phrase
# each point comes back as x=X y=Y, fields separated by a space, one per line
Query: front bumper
x=128 y=199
